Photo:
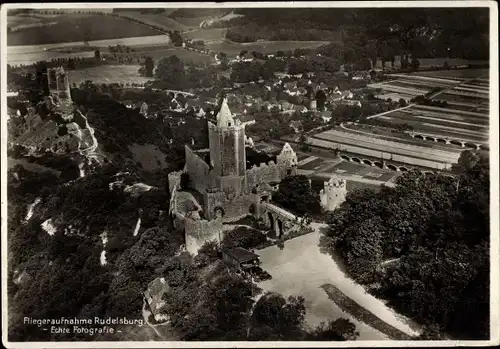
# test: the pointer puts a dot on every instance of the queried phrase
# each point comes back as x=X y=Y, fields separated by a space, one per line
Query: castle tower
x=333 y=193
x=227 y=149
x=287 y=161
x=59 y=83
x=313 y=104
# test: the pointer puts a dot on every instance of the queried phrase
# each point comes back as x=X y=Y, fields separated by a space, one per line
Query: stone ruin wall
x=264 y=173
x=200 y=231
x=200 y=175
x=234 y=208
x=174 y=180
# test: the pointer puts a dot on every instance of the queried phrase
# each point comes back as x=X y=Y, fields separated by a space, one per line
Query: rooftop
x=240 y=254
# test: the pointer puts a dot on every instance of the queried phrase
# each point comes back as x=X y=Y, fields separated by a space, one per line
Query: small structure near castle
x=59 y=83
x=221 y=187
x=333 y=193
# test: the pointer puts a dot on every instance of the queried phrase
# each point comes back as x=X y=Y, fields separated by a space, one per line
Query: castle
x=59 y=83
x=219 y=177
x=222 y=189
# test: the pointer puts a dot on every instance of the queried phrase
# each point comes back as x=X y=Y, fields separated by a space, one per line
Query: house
x=296 y=125
x=245 y=118
x=240 y=258
x=285 y=105
x=352 y=103
x=347 y=94
x=144 y=109
x=326 y=116
x=300 y=108
x=154 y=297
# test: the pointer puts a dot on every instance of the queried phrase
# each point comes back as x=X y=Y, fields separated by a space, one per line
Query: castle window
x=228 y=124
x=288 y=172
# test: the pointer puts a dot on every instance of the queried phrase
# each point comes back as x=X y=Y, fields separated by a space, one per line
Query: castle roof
x=224 y=117
x=287 y=148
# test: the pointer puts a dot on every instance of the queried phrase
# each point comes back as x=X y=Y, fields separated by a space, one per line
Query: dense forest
x=433 y=233
x=436 y=32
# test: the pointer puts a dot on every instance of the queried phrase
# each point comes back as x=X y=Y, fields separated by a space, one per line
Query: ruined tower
x=333 y=193
x=287 y=161
x=227 y=150
x=59 y=83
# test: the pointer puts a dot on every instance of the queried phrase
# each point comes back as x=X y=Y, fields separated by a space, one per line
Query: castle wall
x=264 y=173
x=232 y=184
x=234 y=207
x=200 y=231
x=199 y=172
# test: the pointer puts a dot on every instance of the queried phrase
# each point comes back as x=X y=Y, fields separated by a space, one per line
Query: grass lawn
x=107 y=74
x=74 y=27
x=311 y=165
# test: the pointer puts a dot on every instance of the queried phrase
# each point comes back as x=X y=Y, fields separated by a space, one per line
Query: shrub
x=243 y=237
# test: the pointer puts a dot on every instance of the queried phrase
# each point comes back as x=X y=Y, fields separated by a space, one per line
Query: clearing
x=150 y=157
x=301 y=269
x=106 y=74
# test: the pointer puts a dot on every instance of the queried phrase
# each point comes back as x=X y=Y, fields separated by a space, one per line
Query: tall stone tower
x=59 y=83
x=287 y=161
x=227 y=150
x=333 y=193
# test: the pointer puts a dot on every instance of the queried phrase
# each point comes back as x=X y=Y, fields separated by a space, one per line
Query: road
x=300 y=269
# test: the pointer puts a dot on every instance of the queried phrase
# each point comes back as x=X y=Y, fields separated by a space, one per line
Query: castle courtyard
x=301 y=269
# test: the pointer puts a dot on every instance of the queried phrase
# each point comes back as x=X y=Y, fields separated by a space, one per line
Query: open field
x=457 y=73
x=233 y=48
x=71 y=27
x=207 y=35
x=163 y=22
x=29 y=54
x=107 y=74
x=183 y=54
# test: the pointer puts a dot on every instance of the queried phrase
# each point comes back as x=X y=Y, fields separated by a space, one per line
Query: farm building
x=240 y=258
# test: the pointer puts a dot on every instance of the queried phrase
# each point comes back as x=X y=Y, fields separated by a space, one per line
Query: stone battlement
x=200 y=231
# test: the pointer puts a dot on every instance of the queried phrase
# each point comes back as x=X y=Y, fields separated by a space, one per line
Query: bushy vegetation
x=437 y=228
x=295 y=193
x=244 y=237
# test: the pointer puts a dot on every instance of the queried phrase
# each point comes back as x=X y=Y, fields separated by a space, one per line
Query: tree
x=402 y=102
x=295 y=193
x=243 y=237
x=97 y=55
x=435 y=229
x=336 y=330
x=149 y=65
x=170 y=73
x=276 y=318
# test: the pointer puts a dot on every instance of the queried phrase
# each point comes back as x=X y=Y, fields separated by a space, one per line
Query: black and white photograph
x=245 y=174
